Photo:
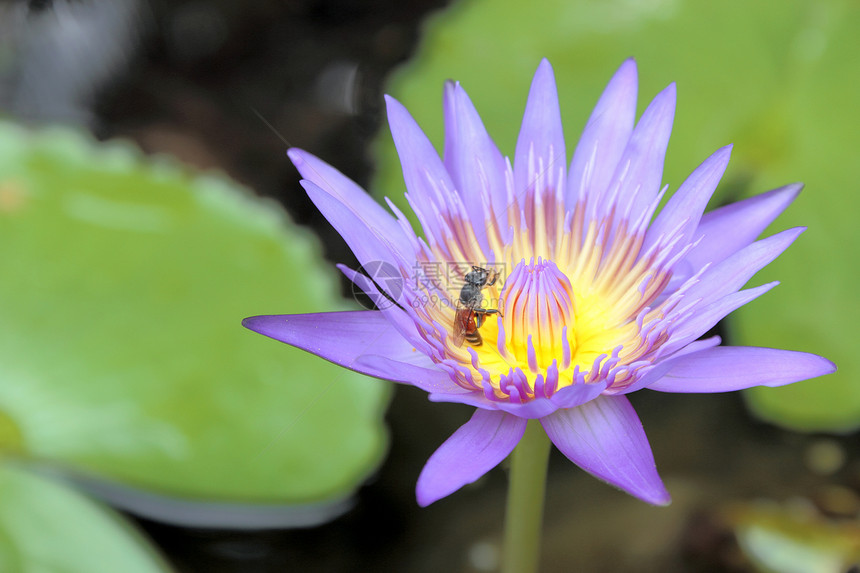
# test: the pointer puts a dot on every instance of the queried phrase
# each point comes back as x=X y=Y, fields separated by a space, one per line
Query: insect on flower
x=470 y=316
x=605 y=295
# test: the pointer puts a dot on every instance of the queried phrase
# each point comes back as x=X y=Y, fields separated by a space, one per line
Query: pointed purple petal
x=475 y=448
x=541 y=131
x=605 y=438
x=706 y=317
x=423 y=172
x=730 y=228
x=686 y=206
x=658 y=370
x=733 y=272
x=640 y=170
x=729 y=368
x=605 y=137
x=347 y=192
x=348 y=338
x=321 y=333
x=473 y=160
x=367 y=244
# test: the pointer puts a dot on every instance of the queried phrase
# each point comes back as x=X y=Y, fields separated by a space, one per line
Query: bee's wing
x=461 y=325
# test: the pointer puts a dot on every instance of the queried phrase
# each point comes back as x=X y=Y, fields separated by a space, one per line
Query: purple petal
x=658 y=370
x=428 y=377
x=400 y=313
x=541 y=132
x=473 y=160
x=734 y=271
x=473 y=398
x=475 y=448
x=367 y=244
x=572 y=396
x=391 y=296
x=605 y=137
x=729 y=368
x=349 y=339
x=686 y=206
x=423 y=172
x=605 y=438
x=531 y=410
x=640 y=170
x=705 y=318
x=345 y=190
x=698 y=345
x=730 y=228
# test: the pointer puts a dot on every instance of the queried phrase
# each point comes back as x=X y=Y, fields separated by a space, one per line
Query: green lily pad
x=779 y=80
x=122 y=356
x=46 y=527
x=793 y=540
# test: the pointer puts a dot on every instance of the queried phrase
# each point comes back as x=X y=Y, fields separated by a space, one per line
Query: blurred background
x=147 y=206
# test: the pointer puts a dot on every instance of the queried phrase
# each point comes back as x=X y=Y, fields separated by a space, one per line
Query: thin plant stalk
x=524 y=514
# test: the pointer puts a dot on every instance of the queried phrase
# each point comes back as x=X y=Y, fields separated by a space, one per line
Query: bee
x=470 y=316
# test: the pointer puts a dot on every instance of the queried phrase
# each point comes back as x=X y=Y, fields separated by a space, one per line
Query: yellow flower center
x=581 y=302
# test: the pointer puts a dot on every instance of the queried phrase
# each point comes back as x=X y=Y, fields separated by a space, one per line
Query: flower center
x=546 y=337
x=538 y=315
x=586 y=307
x=561 y=326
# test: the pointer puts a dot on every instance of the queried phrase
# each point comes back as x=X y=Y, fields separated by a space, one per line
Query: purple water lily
x=602 y=298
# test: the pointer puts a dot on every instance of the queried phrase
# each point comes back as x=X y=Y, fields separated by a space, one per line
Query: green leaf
x=122 y=356
x=46 y=527
x=785 y=540
x=778 y=79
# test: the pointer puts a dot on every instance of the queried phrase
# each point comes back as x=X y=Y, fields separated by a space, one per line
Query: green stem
x=525 y=501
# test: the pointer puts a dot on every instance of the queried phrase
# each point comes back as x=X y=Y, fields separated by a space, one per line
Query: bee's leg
x=481 y=313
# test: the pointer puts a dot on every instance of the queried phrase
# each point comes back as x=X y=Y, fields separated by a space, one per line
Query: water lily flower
x=601 y=297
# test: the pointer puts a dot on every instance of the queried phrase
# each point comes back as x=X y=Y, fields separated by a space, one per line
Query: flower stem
x=524 y=513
